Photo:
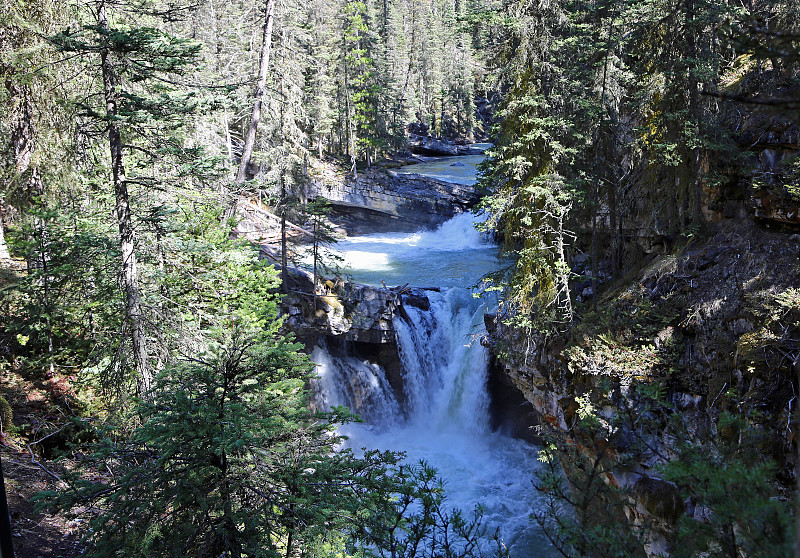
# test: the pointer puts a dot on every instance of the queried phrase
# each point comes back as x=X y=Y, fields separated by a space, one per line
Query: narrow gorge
x=401 y=343
x=400 y=279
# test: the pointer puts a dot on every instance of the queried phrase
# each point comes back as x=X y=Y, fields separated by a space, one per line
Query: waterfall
x=360 y=385
x=441 y=415
x=438 y=408
x=444 y=367
x=444 y=371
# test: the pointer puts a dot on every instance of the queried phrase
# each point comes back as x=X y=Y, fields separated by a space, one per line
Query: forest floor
x=36 y=534
x=27 y=472
x=40 y=407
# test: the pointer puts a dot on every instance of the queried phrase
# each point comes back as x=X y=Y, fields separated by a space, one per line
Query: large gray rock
x=350 y=319
x=426 y=145
x=439 y=147
x=348 y=311
x=382 y=201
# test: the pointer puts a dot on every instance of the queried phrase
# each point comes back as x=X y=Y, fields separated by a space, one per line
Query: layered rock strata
x=346 y=310
x=384 y=201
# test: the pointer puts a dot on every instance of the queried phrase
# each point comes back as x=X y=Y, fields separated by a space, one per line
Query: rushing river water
x=444 y=418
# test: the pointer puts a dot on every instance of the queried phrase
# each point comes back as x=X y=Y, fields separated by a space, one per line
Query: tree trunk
x=612 y=223
x=122 y=210
x=255 y=116
x=45 y=282
x=595 y=264
x=351 y=148
x=284 y=254
x=695 y=110
x=22 y=136
x=4 y=253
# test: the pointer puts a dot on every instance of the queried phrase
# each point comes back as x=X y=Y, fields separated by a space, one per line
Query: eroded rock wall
x=382 y=200
x=716 y=323
x=351 y=319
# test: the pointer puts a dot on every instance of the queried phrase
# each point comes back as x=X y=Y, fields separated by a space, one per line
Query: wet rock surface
x=352 y=319
x=440 y=147
x=346 y=311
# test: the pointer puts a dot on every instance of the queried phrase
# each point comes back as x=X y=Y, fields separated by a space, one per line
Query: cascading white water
x=442 y=416
x=362 y=386
x=454 y=255
x=444 y=369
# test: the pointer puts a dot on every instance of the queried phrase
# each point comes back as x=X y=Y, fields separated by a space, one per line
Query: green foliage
x=629 y=336
x=357 y=43
x=229 y=461
x=732 y=497
x=414 y=521
x=217 y=463
x=324 y=258
x=737 y=507
x=225 y=458
x=531 y=217
x=603 y=108
x=67 y=307
x=584 y=507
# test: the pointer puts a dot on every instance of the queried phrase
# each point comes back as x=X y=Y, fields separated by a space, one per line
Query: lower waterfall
x=440 y=411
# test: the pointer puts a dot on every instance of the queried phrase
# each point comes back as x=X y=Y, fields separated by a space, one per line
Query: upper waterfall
x=454 y=254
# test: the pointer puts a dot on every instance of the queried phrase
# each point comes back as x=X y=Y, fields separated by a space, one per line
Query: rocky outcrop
x=382 y=201
x=716 y=323
x=440 y=147
x=347 y=311
x=351 y=320
x=776 y=157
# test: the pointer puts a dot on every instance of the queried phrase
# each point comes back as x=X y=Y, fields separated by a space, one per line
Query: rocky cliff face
x=775 y=148
x=716 y=324
x=345 y=310
x=350 y=318
x=382 y=201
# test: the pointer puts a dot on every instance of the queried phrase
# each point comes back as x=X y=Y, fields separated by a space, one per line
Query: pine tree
x=360 y=88
x=209 y=471
x=140 y=124
x=258 y=96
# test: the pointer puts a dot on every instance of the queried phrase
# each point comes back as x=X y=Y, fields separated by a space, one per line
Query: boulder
x=431 y=146
x=383 y=201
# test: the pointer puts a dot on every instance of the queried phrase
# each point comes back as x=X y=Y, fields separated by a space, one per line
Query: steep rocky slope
x=715 y=324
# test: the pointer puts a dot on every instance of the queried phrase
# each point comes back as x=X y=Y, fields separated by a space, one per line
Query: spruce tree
x=141 y=115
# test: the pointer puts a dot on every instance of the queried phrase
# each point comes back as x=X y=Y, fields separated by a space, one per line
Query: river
x=444 y=418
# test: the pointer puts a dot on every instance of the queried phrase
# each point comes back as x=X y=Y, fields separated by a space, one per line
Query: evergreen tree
x=258 y=96
x=141 y=126
x=224 y=440
x=359 y=86
x=227 y=459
